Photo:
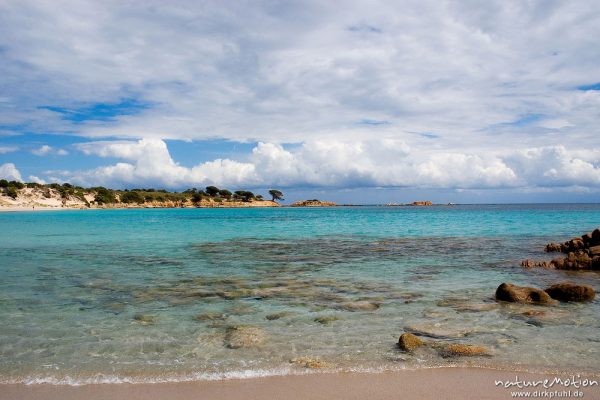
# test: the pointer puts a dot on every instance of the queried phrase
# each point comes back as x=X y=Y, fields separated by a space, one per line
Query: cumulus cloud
x=10 y=172
x=46 y=150
x=496 y=94
x=35 y=179
x=327 y=163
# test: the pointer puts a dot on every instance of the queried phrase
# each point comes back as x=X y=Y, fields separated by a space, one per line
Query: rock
x=409 y=342
x=422 y=203
x=595 y=238
x=536 y=264
x=144 y=319
x=522 y=294
x=552 y=247
x=237 y=337
x=275 y=316
x=210 y=316
x=465 y=350
x=566 y=291
x=437 y=331
x=359 y=306
x=534 y=313
x=326 y=319
x=594 y=251
x=309 y=362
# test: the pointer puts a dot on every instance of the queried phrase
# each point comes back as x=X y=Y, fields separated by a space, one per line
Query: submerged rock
x=326 y=319
x=143 y=319
x=566 y=291
x=276 y=316
x=436 y=331
x=359 y=306
x=463 y=350
x=522 y=294
x=409 y=342
x=211 y=316
x=310 y=362
x=237 y=337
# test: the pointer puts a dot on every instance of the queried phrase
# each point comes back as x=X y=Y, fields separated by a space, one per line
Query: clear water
x=73 y=283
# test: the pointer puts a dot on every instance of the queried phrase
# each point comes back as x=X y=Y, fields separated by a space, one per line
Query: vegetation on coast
x=71 y=195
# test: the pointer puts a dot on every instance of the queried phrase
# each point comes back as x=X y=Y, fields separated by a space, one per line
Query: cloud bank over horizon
x=412 y=94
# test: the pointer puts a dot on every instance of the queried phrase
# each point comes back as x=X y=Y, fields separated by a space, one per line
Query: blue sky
x=366 y=103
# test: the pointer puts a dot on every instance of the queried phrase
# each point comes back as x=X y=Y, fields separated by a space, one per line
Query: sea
x=172 y=295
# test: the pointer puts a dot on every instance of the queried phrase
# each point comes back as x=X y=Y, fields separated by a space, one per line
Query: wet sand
x=441 y=383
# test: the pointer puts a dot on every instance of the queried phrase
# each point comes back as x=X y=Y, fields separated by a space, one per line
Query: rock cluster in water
x=582 y=253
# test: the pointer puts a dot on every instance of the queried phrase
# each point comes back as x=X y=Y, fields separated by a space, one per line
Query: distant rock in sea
x=313 y=203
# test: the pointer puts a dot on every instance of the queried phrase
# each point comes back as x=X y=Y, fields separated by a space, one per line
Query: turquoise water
x=152 y=294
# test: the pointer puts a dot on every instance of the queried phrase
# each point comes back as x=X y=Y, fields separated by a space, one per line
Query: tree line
x=104 y=195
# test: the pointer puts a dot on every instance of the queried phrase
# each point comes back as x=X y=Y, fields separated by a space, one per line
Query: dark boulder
x=522 y=294
x=566 y=291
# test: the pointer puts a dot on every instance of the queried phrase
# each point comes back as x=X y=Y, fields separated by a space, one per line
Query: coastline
x=435 y=383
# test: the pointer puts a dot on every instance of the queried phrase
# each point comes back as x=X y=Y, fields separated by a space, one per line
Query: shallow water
x=149 y=295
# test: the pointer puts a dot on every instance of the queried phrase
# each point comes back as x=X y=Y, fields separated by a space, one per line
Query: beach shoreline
x=433 y=383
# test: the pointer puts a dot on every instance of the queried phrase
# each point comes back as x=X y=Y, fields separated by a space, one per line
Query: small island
x=313 y=203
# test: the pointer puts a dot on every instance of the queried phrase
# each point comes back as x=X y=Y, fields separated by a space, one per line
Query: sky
x=353 y=101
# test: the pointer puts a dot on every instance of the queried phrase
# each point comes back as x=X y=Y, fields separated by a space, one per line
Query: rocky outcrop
x=313 y=203
x=522 y=294
x=582 y=253
x=421 y=203
x=566 y=291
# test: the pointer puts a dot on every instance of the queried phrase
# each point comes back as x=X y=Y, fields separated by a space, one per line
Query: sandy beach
x=440 y=383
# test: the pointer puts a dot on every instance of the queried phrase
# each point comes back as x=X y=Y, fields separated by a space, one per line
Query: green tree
x=11 y=191
x=104 y=196
x=3 y=183
x=224 y=193
x=196 y=197
x=276 y=194
x=212 y=191
x=132 y=197
x=243 y=195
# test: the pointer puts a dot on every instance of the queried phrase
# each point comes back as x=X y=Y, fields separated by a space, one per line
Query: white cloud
x=33 y=178
x=10 y=172
x=8 y=149
x=308 y=70
x=327 y=163
x=386 y=93
x=45 y=150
